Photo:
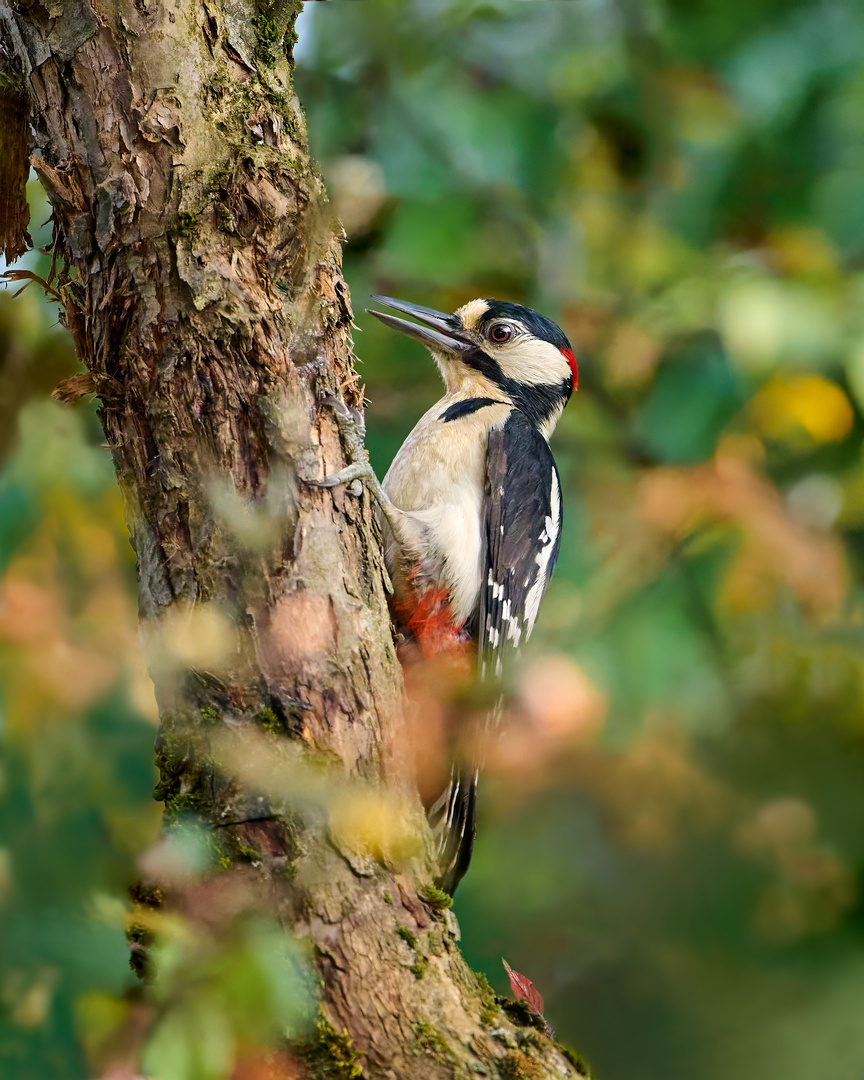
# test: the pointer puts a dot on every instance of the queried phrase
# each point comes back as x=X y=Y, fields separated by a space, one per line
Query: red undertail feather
x=429 y=619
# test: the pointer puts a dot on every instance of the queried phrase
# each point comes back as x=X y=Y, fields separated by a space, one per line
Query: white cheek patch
x=531 y=361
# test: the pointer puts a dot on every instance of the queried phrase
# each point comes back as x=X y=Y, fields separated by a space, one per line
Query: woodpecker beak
x=439 y=331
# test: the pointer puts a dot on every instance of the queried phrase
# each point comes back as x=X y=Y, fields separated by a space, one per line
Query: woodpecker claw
x=346 y=415
x=352 y=475
x=352 y=428
x=356 y=476
x=359 y=473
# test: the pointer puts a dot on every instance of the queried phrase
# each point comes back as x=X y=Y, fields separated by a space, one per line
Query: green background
x=673 y=846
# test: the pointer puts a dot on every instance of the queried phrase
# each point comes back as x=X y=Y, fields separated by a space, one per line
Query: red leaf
x=523 y=989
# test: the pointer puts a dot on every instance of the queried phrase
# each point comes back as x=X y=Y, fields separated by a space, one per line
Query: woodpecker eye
x=500 y=332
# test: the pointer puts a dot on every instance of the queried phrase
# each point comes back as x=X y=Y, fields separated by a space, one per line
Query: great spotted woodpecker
x=473 y=502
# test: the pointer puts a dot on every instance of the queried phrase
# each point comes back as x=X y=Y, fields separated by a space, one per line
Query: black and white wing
x=522 y=531
x=522 y=538
x=453 y=822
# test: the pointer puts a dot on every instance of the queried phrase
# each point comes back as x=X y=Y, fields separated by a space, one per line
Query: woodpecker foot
x=351 y=421
x=359 y=474
x=352 y=428
x=349 y=476
x=355 y=476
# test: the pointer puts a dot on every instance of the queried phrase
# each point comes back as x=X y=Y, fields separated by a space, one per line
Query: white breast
x=438 y=480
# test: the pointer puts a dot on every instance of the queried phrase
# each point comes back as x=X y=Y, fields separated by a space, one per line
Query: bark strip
x=14 y=151
x=201 y=281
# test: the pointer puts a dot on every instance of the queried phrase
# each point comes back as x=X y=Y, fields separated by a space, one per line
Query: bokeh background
x=671 y=838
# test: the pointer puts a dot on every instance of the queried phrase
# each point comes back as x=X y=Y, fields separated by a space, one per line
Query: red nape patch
x=428 y=617
x=571 y=360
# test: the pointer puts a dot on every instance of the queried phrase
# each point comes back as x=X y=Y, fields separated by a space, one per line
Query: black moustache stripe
x=537 y=401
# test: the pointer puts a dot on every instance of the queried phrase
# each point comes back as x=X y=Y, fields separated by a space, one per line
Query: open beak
x=438 y=331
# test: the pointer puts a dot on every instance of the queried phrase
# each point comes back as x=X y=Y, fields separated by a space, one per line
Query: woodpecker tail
x=453 y=821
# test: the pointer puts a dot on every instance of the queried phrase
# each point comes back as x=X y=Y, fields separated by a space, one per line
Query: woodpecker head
x=522 y=354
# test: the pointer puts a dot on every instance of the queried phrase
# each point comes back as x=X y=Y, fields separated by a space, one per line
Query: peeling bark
x=202 y=285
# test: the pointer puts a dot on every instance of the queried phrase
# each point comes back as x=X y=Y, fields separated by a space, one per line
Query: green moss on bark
x=519 y=1014
x=489 y=1009
x=331 y=1055
x=430 y=1041
x=576 y=1060
x=435 y=898
x=407 y=936
x=518 y=1066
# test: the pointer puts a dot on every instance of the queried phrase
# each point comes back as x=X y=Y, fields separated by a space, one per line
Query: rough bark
x=14 y=152
x=200 y=277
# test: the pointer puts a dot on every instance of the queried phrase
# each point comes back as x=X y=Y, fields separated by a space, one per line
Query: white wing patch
x=547 y=539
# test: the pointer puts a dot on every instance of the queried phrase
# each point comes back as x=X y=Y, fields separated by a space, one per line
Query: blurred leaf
x=193 y=1042
x=249 y=987
x=808 y=405
x=694 y=397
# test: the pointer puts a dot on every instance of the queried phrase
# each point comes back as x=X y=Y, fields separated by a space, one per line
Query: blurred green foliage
x=671 y=841
x=76 y=773
x=675 y=859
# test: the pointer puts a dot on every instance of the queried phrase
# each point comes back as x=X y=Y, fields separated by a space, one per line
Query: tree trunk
x=200 y=277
